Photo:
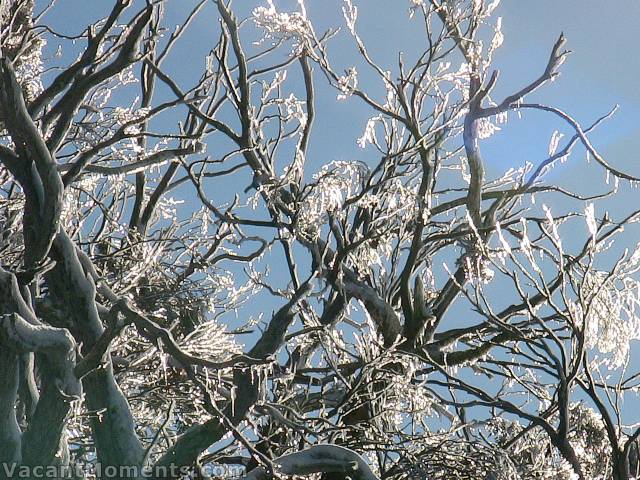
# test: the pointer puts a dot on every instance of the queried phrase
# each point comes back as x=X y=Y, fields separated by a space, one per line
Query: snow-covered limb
x=319 y=459
x=22 y=331
x=55 y=343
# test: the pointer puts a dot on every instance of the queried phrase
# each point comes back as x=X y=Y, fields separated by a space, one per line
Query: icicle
x=554 y=142
x=608 y=177
x=233 y=400
x=590 y=218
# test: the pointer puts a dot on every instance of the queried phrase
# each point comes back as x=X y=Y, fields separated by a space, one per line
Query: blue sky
x=602 y=71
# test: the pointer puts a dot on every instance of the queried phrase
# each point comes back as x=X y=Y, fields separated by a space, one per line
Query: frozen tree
x=404 y=314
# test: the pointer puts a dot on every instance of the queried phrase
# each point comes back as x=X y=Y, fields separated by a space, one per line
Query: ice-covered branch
x=556 y=59
x=319 y=459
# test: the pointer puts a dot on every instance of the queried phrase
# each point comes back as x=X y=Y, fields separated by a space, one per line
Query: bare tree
x=134 y=275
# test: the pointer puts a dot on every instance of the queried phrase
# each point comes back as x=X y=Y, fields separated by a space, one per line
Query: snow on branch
x=319 y=459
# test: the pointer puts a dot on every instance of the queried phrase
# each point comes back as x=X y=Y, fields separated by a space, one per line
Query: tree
x=131 y=276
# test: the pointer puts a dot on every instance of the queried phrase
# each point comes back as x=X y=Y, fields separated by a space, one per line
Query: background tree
x=429 y=320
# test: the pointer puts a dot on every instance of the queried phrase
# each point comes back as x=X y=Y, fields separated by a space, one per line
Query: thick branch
x=319 y=459
x=44 y=186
